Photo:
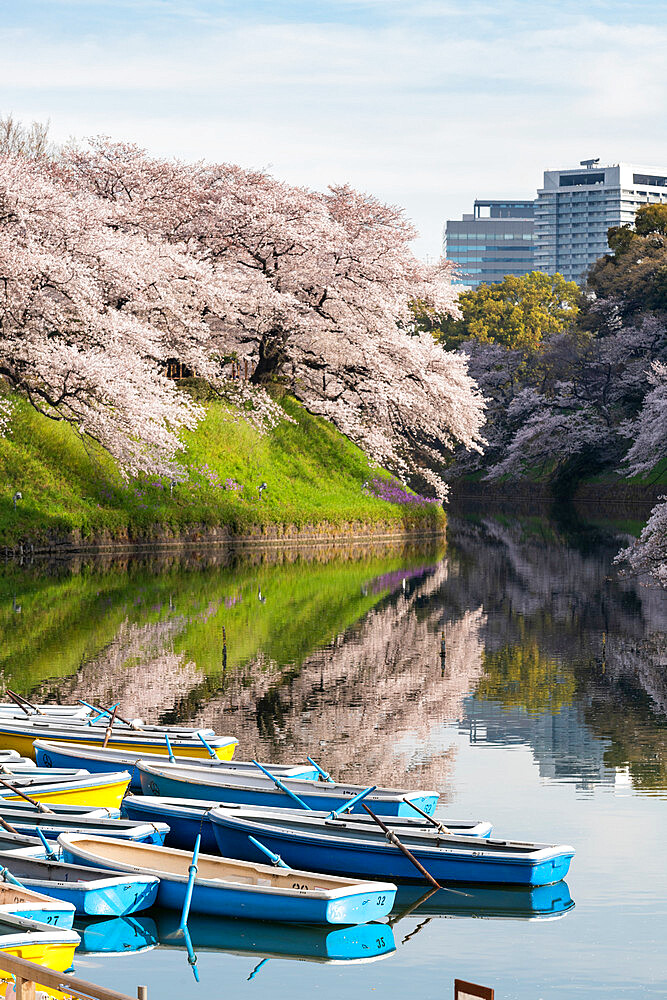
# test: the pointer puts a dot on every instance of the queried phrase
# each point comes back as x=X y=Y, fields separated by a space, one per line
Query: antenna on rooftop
x=589 y=163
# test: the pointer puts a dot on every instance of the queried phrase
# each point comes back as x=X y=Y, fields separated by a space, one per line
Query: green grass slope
x=314 y=475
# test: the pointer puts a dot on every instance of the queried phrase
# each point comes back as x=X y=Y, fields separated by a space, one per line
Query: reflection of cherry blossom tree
x=374 y=700
x=138 y=668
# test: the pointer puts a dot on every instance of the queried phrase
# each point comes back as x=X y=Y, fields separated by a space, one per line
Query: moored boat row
x=337 y=852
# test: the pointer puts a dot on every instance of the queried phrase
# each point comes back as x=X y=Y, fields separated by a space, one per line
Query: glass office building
x=576 y=207
x=497 y=239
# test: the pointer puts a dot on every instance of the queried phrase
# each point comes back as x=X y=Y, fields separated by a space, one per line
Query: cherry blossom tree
x=88 y=313
x=649 y=430
x=314 y=290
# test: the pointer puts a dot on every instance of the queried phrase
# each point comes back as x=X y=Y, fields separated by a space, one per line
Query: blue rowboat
x=20 y=901
x=515 y=902
x=103 y=760
x=340 y=847
x=92 y=892
x=188 y=817
x=186 y=782
x=337 y=945
x=116 y=936
x=228 y=888
x=52 y=826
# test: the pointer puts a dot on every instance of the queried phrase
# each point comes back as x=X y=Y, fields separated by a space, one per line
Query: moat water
x=515 y=670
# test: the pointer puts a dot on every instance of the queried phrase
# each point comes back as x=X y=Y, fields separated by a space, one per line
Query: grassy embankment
x=314 y=475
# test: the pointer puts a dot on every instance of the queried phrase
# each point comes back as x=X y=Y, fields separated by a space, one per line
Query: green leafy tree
x=634 y=274
x=519 y=312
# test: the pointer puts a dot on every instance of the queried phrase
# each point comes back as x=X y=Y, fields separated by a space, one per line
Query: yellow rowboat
x=18 y=734
x=36 y=942
x=95 y=790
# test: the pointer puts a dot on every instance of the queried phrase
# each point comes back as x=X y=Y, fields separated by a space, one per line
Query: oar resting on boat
x=91 y=891
x=235 y=888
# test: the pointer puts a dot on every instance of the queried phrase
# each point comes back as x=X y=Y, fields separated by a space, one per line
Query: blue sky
x=427 y=104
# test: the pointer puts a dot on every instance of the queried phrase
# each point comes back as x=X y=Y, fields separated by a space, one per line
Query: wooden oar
x=7 y=826
x=412 y=907
x=107 y=735
x=434 y=822
x=393 y=839
x=33 y=802
x=22 y=702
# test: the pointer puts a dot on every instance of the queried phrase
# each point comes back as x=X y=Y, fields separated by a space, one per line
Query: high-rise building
x=575 y=208
x=497 y=239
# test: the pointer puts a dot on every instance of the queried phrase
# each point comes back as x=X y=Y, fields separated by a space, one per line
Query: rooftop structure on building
x=576 y=207
x=493 y=241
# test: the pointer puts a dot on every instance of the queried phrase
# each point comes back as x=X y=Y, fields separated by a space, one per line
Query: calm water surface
x=547 y=714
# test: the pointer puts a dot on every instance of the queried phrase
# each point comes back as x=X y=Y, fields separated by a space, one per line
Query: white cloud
x=426 y=118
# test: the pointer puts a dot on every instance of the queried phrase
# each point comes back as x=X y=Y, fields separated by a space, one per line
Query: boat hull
x=264 y=893
x=36 y=942
x=143 y=833
x=184 y=824
x=21 y=901
x=456 y=861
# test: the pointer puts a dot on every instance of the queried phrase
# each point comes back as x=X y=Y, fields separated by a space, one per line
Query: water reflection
x=116 y=936
x=363 y=943
x=510 y=902
x=545 y=646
